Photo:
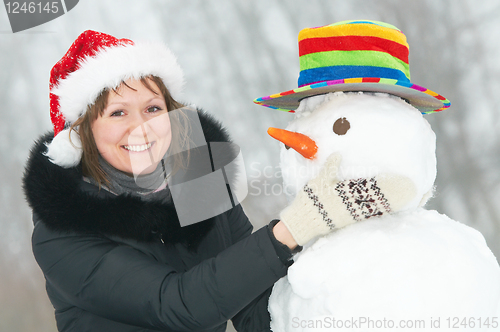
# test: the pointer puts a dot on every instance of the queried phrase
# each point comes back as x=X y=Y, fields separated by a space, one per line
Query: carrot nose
x=297 y=141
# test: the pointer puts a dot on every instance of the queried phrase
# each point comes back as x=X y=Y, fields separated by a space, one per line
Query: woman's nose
x=138 y=125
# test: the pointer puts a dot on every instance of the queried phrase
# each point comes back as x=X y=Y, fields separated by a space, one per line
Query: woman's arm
x=121 y=283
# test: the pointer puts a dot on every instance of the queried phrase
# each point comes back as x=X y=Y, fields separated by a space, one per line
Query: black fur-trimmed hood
x=56 y=196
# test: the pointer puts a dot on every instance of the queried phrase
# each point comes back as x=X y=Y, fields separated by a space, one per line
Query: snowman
x=359 y=118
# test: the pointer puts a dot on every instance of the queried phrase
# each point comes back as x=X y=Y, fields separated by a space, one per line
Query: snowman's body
x=415 y=266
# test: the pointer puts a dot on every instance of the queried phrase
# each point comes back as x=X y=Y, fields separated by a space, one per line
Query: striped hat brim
x=425 y=100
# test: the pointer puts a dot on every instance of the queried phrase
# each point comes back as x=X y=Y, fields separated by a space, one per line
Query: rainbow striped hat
x=355 y=56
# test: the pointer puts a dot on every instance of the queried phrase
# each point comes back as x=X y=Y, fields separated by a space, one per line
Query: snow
x=415 y=266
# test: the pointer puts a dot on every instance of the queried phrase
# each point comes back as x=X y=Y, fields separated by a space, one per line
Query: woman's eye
x=153 y=109
x=117 y=113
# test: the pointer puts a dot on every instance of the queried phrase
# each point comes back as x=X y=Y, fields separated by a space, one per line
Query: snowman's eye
x=341 y=126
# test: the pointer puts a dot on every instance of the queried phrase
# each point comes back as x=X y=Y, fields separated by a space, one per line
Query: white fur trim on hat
x=65 y=152
x=109 y=68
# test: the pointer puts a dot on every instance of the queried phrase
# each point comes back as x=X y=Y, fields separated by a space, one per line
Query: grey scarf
x=148 y=187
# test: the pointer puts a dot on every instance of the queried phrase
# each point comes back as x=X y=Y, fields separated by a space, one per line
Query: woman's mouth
x=137 y=148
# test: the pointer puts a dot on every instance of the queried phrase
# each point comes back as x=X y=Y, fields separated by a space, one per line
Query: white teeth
x=137 y=148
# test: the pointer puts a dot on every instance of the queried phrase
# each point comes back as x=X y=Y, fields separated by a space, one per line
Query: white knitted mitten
x=325 y=203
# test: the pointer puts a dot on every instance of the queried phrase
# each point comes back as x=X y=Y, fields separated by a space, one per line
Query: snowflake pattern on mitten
x=363 y=198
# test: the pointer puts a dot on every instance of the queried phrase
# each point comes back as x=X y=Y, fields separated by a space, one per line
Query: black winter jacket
x=108 y=269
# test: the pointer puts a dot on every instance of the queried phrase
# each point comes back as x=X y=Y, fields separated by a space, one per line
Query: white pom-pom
x=64 y=151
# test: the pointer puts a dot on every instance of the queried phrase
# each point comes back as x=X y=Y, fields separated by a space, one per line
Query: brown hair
x=83 y=126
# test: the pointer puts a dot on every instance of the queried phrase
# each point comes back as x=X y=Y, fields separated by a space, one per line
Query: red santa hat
x=94 y=62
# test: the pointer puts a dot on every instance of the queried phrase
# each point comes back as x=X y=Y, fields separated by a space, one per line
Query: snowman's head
x=374 y=133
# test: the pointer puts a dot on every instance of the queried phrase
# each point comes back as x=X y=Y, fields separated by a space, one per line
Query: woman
x=113 y=251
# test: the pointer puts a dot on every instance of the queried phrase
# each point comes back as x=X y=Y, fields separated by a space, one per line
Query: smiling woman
x=130 y=127
x=133 y=133
x=107 y=234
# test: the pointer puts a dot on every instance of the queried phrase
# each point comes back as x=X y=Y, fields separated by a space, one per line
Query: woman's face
x=133 y=133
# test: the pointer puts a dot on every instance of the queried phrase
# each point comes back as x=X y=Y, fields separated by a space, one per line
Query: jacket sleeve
x=255 y=316
x=239 y=224
x=121 y=283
